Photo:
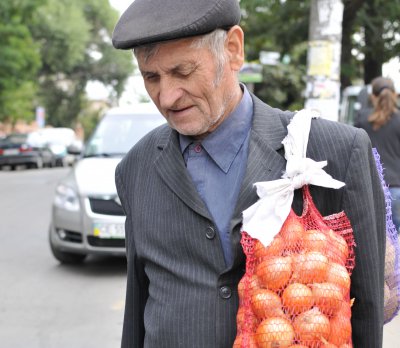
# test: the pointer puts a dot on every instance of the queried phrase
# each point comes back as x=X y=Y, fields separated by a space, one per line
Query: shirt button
x=210 y=233
x=197 y=148
x=225 y=292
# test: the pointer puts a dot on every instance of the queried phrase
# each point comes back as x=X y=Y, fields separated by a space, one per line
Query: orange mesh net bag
x=296 y=288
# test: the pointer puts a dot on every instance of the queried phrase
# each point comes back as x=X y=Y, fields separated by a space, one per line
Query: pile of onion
x=298 y=294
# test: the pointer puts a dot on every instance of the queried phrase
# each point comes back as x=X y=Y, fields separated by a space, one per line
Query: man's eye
x=151 y=77
x=185 y=73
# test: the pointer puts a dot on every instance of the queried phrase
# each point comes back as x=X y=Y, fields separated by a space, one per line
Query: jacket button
x=225 y=292
x=210 y=233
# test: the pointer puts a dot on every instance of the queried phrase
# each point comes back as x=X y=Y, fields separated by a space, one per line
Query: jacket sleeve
x=364 y=204
x=137 y=283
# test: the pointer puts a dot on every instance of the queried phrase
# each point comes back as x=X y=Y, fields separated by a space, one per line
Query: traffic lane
x=64 y=306
x=45 y=304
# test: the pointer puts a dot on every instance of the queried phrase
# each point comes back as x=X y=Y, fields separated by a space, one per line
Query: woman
x=383 y=127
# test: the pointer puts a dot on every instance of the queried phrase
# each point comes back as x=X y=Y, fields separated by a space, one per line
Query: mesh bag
x=392 y=266
x=296 y=291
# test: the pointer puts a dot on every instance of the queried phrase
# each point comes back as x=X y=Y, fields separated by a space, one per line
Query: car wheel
x=53 y=163
x=65 y=257
x=64 y=162
x=60 y=162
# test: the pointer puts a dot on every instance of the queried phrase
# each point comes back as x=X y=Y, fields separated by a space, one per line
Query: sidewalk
x=391 y=333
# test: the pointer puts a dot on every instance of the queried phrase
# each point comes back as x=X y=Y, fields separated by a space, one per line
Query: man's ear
x=235 y=47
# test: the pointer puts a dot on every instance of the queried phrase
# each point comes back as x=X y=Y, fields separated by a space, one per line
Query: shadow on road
x=97 y=266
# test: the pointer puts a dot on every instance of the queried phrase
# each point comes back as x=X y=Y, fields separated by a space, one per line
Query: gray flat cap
x=150 y=21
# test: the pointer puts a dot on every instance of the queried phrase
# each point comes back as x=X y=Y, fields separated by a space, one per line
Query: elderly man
x=185 y=185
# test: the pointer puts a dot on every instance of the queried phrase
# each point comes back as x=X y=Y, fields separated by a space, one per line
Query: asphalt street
x=44 y=304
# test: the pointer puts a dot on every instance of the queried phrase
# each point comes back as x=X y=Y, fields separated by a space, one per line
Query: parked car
x=23 y=149
x=87 y=217
x=58 y=140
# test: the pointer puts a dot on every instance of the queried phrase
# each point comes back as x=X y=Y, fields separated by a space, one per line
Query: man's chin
x=190 y=132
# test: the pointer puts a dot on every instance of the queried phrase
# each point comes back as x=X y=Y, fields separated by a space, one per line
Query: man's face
x=182 y=81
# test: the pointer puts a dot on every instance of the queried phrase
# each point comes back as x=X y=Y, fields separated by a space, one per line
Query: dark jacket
x=387 y=141
x=179 y=292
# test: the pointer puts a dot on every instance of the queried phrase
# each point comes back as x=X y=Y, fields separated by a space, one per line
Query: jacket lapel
x=266 y=157
x=265 y=161
x=171 y=168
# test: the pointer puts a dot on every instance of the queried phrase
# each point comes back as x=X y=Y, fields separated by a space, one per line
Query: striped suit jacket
x=179 y=291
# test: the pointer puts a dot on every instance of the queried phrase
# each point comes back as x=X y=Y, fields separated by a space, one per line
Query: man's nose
x=170 y=92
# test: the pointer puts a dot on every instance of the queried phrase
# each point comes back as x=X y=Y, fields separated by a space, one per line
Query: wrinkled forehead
x=145 y=52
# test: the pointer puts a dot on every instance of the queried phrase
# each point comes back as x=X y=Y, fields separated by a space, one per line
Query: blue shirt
x=217 y=166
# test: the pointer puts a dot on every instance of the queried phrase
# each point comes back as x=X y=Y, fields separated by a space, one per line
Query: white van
x=87 y=217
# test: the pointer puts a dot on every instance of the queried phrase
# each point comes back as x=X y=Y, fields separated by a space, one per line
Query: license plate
x=109 y=230
x=9 y=152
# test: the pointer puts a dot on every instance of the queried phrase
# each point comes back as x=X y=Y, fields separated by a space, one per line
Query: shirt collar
x=224 y=143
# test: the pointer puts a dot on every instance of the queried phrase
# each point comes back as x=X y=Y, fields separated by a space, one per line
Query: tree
x=369 y=38
x=379 y=19
x=19 y=60
x=350 y=67
x=279 y=26
x=75 y=47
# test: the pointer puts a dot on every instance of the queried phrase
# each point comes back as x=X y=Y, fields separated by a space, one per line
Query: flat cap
x=150 y=21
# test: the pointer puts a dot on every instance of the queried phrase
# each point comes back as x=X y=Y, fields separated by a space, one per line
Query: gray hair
x=215 y=41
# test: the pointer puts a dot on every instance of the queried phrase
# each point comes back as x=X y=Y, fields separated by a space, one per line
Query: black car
x=20 y=149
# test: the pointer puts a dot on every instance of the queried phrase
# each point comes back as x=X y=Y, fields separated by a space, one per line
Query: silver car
x=87 y=217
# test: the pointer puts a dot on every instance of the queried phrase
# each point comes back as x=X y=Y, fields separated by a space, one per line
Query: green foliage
x=380 y=18
x=17 y=103
x=279 y=26
x=283 y=84
x=19 y=61
x=75 y=38
x=274 y=25
x=63 y=33
x=49 y=50
x=282 y=26
x=378 y=23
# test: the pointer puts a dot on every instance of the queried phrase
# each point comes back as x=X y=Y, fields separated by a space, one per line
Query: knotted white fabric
x=264 y=219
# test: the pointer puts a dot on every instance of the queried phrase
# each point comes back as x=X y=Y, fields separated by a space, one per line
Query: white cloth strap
x=264 y=219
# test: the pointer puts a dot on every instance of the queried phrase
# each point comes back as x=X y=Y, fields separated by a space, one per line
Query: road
x=44 y=304
x=391 y=333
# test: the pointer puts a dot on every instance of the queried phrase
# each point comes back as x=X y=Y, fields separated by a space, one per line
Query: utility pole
x=323 y=59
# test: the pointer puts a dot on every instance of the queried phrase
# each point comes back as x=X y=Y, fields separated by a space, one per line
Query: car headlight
x=66 y=198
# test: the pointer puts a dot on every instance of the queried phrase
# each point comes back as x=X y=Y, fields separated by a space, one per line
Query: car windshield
x=116 y=134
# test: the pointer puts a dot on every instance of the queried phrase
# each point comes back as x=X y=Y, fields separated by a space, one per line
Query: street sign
x=40 y=116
